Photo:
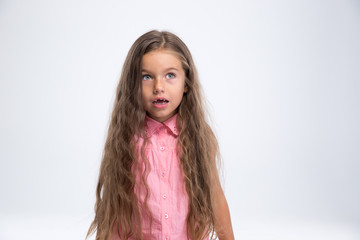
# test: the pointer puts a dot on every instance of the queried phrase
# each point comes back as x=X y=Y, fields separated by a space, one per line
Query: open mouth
x=160 y=101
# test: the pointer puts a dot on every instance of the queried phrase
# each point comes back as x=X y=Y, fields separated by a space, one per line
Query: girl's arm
x=223 y=227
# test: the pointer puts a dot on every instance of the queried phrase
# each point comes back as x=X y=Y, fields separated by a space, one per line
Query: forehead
x=161 y=59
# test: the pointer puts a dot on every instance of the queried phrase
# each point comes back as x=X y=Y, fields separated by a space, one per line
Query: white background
x=282 y=79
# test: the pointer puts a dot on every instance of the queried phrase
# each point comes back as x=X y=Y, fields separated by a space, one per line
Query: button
x=163 y=173
x=162 y=148
x=166 y=216
x=164 y=196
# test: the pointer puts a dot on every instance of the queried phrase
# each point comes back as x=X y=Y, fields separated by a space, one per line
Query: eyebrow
x=168 y=69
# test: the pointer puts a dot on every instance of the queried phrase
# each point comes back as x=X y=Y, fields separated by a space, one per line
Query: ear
x=186 y=89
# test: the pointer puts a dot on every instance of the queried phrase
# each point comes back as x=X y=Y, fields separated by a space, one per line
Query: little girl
x=158 y=176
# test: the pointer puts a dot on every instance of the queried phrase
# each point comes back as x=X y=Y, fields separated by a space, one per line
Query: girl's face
x=163 y=84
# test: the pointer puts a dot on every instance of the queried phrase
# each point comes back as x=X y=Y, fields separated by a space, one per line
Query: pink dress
x=168 y=200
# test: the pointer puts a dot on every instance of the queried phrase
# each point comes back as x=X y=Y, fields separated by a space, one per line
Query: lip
x=160 y=105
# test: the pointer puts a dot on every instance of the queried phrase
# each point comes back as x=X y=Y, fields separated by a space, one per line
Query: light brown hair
x=116 y=204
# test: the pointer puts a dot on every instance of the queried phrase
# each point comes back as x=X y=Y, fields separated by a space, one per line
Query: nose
x=158 y=86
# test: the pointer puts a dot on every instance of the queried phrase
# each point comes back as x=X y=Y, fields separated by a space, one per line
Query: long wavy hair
x=117 y=206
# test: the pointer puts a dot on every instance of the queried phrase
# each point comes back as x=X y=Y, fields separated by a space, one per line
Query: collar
x=151 y=125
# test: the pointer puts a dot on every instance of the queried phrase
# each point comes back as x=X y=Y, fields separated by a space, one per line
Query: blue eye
x=146 y=77
x=170 y=75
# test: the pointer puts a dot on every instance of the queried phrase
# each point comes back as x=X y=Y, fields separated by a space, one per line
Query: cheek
x=183 y=89
x=180 y=93
x=144 y=90
x=143 y=95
